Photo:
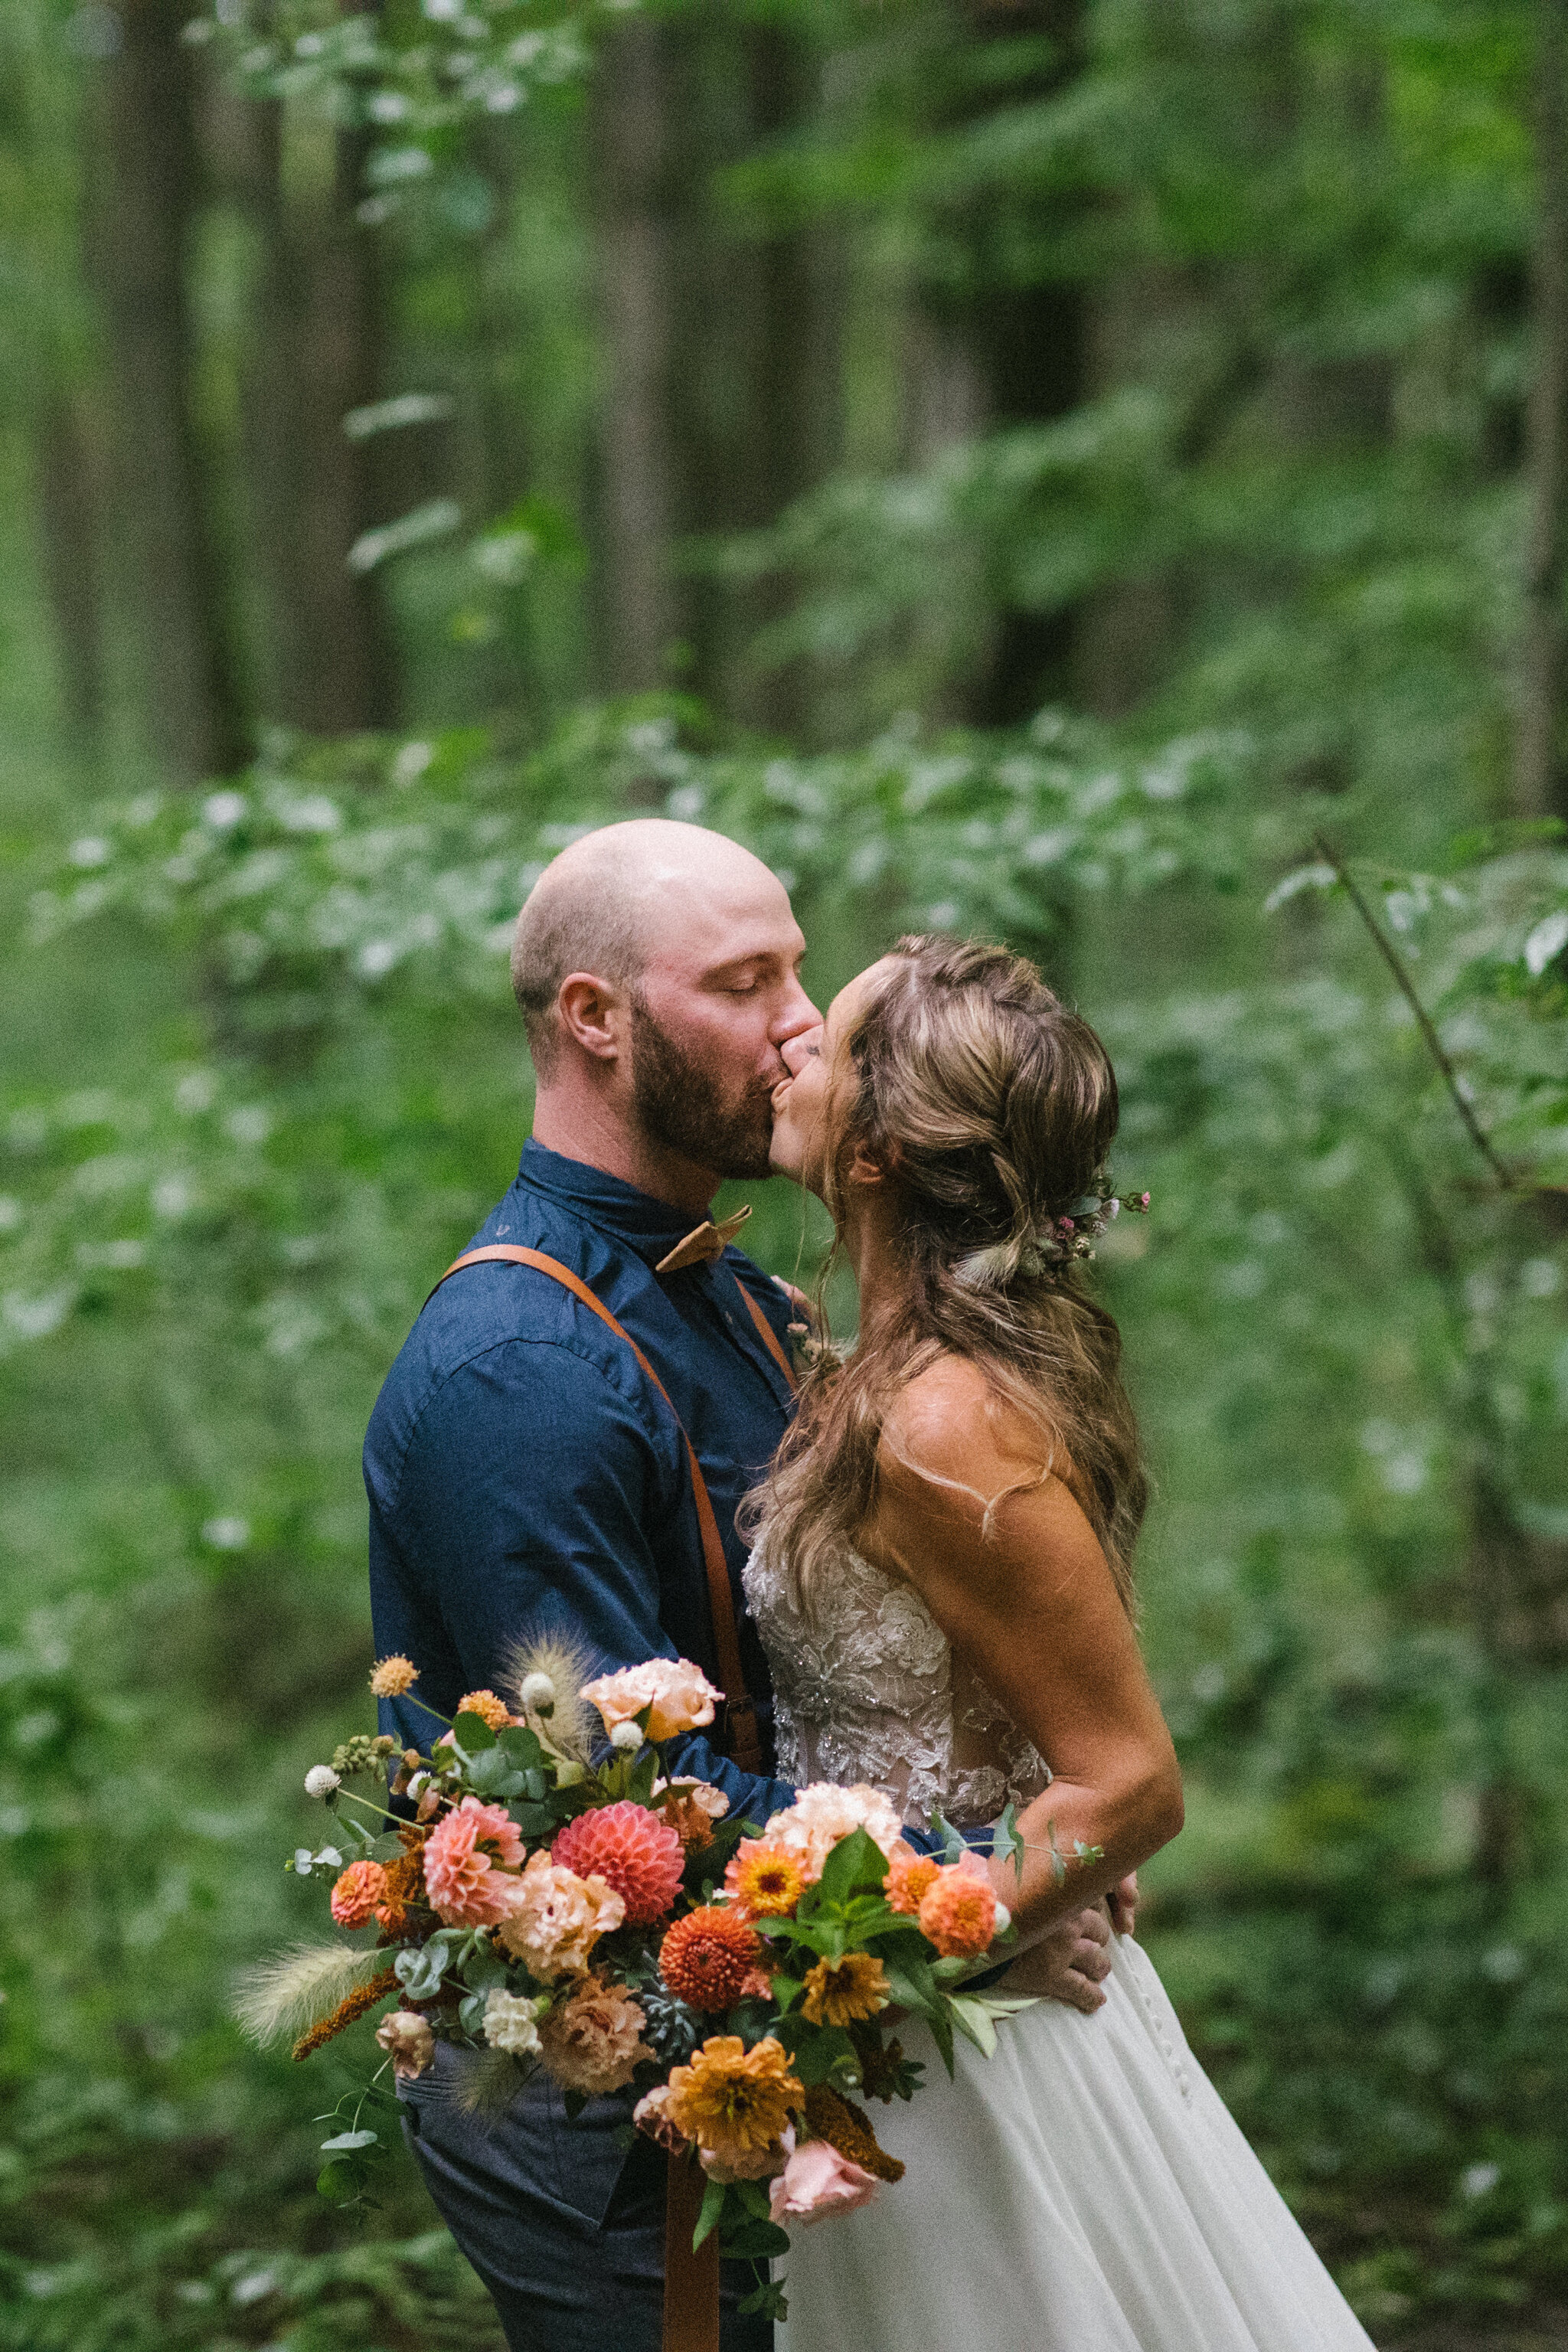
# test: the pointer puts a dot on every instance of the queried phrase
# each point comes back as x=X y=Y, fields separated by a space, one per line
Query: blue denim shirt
x=525 y=1477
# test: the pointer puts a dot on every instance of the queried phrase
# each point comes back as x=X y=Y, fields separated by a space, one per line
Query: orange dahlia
x=362 y=1887
x=635 y=1853
x=734 y=2102
x=909 y=1876
x=708 y=1957
x=495 y=1711
x=842 y=1992
x=765 y=1881
x=958 y=1911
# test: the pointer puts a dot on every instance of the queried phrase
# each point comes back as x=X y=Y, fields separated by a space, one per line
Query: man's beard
x=682 y=1107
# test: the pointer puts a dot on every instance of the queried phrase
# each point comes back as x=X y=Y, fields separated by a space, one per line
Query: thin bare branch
x=1507 y=1179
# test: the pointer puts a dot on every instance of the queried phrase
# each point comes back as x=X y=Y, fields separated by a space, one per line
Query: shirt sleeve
x=530 y=1504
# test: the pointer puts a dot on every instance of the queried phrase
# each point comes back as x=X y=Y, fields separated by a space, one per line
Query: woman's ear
x=863 y=1169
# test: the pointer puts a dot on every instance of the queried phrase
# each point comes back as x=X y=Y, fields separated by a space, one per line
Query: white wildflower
x=538 y=1694
x=626 y=1736
x=510 y=2025
x=321 y=1780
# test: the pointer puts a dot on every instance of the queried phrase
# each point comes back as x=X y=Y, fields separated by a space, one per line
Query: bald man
x=526 y=1477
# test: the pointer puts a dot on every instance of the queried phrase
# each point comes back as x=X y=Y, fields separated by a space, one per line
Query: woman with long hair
x=943 y=1574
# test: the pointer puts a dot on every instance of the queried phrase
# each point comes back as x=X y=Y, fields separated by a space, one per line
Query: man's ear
x=593 y=1013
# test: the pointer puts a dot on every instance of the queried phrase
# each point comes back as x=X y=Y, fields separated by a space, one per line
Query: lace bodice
x=865 y=1689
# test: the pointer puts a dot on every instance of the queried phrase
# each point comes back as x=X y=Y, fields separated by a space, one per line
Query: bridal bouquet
x=614 y=1928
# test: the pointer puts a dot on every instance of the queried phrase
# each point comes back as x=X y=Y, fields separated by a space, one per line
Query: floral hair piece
x=1061 y=1242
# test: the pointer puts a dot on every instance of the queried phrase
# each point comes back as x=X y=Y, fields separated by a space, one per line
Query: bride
x=942 y=1578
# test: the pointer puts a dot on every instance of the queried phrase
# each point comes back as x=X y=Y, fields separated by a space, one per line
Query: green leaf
x=420 y=1973
x=953 y=1848
x=750 y=2240
x=342 y=2180
x=350 y=2140
x=941 y=2034
x=473 y=1735
x=973 y=2024
x=814 y=2050
x=854 y=1862
x=766 y=2301
x=522 y=1745
x=712 y=2206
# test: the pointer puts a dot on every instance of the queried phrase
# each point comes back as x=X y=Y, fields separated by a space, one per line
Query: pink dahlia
x=635 y=1852
x=461 y=1853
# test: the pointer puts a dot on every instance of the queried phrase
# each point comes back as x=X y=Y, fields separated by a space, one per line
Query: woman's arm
x=1031 y=1607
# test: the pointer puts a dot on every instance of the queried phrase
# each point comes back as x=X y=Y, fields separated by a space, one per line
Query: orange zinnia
x=909 y=1877
x=734 y=2102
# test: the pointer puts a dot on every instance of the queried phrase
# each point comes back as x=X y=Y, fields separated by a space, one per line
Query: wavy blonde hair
x=991 y=1108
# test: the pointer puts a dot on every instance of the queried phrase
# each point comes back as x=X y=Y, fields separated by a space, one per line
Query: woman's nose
x=796 y=1051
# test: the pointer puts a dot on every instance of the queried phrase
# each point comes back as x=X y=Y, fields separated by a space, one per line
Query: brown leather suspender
x=739 y=1715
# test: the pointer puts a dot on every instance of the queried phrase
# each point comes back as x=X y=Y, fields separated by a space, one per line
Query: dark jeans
x=564 y=2227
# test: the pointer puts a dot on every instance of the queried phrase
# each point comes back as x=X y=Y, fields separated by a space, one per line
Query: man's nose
x=796 y=1051
x=797 y=1016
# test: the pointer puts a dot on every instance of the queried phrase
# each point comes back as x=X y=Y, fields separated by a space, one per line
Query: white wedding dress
x=1085 y=2190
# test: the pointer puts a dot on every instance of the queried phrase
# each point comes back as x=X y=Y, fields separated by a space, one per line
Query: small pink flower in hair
x=1142 y=1200
x=1066 y=1224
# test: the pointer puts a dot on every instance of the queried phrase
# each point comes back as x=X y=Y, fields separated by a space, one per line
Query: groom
x=526 y=1477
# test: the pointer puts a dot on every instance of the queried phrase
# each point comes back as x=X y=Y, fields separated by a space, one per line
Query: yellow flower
x=392 y=1676
x=734 y=2101
x=842 y=1992
x=765 y=1881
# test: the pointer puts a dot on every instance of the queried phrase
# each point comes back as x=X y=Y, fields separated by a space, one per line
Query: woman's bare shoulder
x=949 y=1423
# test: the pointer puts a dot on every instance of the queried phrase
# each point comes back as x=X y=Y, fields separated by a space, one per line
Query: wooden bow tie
x=705 y=1242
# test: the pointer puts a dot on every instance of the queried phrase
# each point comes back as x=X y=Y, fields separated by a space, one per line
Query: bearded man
x=527 y=1478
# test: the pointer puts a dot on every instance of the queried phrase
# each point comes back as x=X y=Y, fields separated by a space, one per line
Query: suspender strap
x=741 y=1716
x=769 y=1337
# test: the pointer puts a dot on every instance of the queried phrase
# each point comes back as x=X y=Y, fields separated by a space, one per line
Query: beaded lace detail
x=866 y=1690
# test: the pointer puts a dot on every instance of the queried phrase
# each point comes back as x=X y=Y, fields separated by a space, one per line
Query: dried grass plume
x=574 y=1726
x=285 y=1996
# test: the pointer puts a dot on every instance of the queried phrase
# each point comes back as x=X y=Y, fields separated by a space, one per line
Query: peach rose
x=817 y=2181
x=680 y=1695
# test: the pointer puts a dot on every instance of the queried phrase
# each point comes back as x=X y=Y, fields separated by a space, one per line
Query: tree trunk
x=351 y=677
x=147 y=208
x=999 y=353
x=629 y=147
x=1540 y=774
x=70 y=545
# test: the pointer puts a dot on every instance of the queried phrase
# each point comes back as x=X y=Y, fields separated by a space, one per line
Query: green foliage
x=264 y=1075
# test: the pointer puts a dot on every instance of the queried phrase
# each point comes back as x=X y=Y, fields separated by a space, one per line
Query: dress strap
x=740 y=1737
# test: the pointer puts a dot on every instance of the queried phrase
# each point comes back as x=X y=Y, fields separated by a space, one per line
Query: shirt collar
x=652 y=1227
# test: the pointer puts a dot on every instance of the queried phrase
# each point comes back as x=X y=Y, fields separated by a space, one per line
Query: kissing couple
x=914 y=1574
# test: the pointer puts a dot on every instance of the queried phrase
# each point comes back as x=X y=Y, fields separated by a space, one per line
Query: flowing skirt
x=1084 y=2191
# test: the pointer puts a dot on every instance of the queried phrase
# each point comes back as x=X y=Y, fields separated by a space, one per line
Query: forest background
x=1090 y=471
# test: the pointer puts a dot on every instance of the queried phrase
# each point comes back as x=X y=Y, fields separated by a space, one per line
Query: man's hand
x=1124 y=1902
x=1070 y=1963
